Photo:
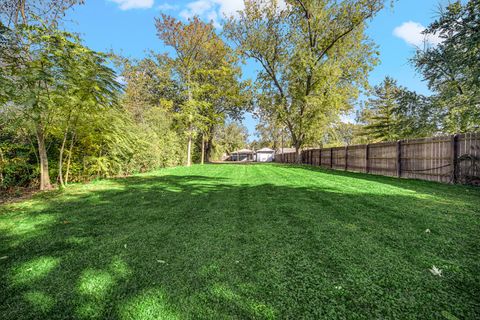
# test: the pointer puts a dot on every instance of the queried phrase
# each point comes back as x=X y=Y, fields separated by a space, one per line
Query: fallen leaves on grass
x=436 y=271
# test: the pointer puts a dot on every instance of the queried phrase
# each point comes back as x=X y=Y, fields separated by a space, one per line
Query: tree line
x=452 y=72
x=391 y=112
x=69 y=113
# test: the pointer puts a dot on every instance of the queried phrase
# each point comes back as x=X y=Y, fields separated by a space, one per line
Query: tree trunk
x=190 y=129
x=298 y=152
x=1 y=167
x=189 y=149
x=69 y=159
x=208 y=144
x=203 y=148
x=42 y=153
x=208 y=149
x=298 y=149
x=60 y=159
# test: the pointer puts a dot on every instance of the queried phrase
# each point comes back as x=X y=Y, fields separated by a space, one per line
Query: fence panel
x=382 y=158
x=428 y=159
x=316 y=157
x=326 y=158
x=468 y=158
x=447 y=159
x=356 y=158
x=338 y=158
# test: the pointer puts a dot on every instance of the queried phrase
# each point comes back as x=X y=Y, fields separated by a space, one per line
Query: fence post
x=346 y=158
x=454 y=156
x=320 y=157
x=399 y=158
x=331 y=158
x=367 y=149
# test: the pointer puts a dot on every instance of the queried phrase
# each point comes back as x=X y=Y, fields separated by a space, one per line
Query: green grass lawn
x=243 y=241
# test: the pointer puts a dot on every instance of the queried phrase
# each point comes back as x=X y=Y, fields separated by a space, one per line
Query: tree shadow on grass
x=180 y=247
x=415 y=185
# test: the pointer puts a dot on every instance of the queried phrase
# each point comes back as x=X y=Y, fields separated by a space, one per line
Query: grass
x=243 y=241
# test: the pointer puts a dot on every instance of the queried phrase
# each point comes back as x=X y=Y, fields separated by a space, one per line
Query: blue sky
x=127 y=27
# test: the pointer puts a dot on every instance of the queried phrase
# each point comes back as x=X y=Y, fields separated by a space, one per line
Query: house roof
x=266 y=150
x=285 y=150
x=241 y=151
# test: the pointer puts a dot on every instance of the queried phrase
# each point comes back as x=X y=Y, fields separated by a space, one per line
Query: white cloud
x=198 y=8
x=167 y=7
x=411 y=33
x=220 y=7
x=230 y=7
x=212 y=10
x=215 y=10
x=134 y=4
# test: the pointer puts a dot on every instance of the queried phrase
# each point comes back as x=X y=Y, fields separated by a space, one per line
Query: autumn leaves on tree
x=206 y=69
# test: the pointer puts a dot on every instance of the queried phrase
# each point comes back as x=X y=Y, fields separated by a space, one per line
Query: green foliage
x=452 y=69
x=152 y=99
x=18 y=164
x=452 y=72
x=56 y=92
x=382 y=123
x=270 y=135
x=393 y=113
x=231 y=137
x=341 y=134
x=208 y=76
x=315 y=57
x=15 y=12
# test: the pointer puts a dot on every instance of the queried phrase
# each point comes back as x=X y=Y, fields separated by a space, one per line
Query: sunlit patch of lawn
x=243 y=241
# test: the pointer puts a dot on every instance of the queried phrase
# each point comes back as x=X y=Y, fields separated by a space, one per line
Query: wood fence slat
x=434 y=158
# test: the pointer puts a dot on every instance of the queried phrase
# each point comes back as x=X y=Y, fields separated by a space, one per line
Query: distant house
x=241 y=155
x=265 y=155
x=286 y=150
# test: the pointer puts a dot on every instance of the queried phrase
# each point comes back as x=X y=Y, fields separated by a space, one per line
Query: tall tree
x=15 y=12
x=380 y=119
x=231 y=137
x=270 y=133
x=314 y=56
x=153 y=97
x=452 y=68
x=393 y=112
x=226 y=97
x=190 y=42
x=149 y=84
x=87 y=86
x=343 y=134
x=47 y=71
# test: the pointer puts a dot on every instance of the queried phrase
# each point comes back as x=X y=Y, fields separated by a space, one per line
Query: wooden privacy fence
x=448 y=159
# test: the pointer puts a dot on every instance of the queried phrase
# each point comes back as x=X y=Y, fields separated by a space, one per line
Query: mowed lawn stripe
x=253 y=241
